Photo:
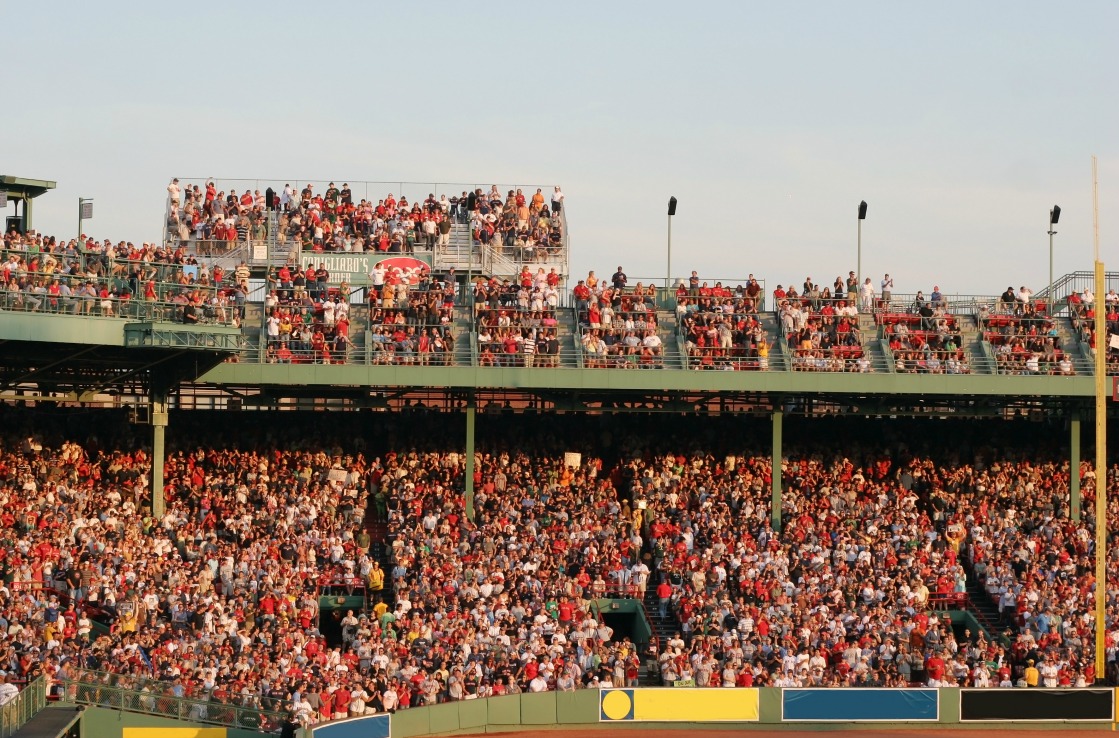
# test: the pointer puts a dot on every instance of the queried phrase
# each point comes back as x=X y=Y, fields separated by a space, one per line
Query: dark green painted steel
x=668 y=380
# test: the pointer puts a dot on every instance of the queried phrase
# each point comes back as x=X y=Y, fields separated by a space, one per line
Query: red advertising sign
x=406 y=268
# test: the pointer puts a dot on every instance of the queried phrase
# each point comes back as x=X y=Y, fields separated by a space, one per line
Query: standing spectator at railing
x=619 y=279
x=852 y=288
x=8 y=691
x=537 y=203
x=175 y=193
x=444 y=227
x=887 y=291
x=557 y=199
x=322 y=282
x=868 y=295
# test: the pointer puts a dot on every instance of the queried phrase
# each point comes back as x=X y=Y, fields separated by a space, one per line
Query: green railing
x=1074 y=282
x=152 y=697
x=26 y=704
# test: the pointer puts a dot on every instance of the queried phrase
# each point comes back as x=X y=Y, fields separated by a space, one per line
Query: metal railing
x=372 y=342
x=360 y=189
x=185 y=310
x=732 y=356
x=1012 y=358
x=610 y=348
x=666 y=297
x=154 y=697
x=855 y=359
x=953 y=362
x=1074 y=282
x=954 y=304
x=30 y=700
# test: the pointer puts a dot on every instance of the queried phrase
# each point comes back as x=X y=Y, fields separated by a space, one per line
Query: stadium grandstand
x=327 y=452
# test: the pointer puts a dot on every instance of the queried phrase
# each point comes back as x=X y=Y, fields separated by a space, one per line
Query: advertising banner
x=679 y=705
x=1039 y=705
x=355 y=268
x=373 y=726
x=862 y=705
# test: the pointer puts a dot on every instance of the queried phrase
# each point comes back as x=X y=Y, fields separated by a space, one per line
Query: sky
x=960 y=123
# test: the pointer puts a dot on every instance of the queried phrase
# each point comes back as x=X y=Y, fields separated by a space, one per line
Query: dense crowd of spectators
x=411 y=323
x=618 y=325
x=518 y=226
x=720 y=325
x=928 y=341
x=822 y=332
x=1082 y=312
x=333 y=220
x=1025 y=337
x=88 y=277
x=219 y=599
x=516 y=320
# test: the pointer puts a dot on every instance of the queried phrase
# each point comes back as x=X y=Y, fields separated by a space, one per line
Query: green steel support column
x=775 y=503
x=159 y=427
x=1074 y=469
x=470 y=462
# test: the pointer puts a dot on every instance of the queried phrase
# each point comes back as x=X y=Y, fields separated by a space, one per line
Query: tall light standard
x=85 y=212
x=668 y=274
x=859 y=262
x=1054 y=216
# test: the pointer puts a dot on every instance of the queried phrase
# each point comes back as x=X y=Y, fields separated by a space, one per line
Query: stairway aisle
x=663 y=630
x=672 y=357
x=380 y=548
x=778 y=359
x=981 y=605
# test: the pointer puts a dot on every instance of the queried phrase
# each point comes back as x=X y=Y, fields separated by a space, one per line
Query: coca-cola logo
x=405 y=268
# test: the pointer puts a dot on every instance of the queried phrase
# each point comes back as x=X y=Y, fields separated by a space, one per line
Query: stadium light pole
x=1054 y=216
x=668 y=271
x=82 y=212
x=1101 y=441
x=859 y=258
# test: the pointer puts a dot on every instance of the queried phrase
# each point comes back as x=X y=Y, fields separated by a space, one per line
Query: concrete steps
x=881 y=362
x=663 y=630
x=779 y=360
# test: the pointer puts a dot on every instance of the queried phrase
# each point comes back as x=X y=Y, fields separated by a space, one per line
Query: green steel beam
x=776 y=456
x=666 y=380
x=1074 y=468
x=159 y=429
x=468 y=501
x=61 y=328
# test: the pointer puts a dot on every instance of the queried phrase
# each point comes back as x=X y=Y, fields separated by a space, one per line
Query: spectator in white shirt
x=8 y=691
x=868 y=295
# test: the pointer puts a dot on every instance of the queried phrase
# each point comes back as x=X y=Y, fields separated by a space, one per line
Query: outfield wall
x=101 y=722
x=743 y=709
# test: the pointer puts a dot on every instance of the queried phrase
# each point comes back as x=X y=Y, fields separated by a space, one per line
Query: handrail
x=154 y=697
x=367 y=343
x=24 y=706
x=158 y=311
x=1071 y=282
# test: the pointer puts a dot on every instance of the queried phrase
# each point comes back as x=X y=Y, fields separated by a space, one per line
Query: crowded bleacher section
x=91 y=277
x=219 y=599
x=519 y=225
x=313 y=316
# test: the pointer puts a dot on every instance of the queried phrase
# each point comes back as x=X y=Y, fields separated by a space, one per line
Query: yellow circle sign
x=616 y=705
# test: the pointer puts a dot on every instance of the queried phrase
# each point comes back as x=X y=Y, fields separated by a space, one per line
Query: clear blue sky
x=961 y=123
